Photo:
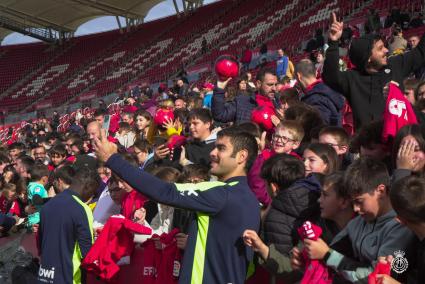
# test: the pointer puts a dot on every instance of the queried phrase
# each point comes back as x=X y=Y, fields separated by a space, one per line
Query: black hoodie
x=364 y=91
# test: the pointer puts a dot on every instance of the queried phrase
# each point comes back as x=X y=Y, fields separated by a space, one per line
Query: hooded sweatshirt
x=370 y=240
x=364 y=91
x=328 y=102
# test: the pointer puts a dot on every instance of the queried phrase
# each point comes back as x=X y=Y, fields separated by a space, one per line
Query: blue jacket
x=65 y=237
x=238 y=111
x=207 y=100
x=215 y=251
x=281 y=66
x=328 y=102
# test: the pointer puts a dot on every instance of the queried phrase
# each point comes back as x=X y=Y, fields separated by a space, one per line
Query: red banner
x=201 y=68
x=87 y=96
x=44 y=104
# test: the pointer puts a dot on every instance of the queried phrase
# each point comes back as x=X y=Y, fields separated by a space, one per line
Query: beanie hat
x=361 y=49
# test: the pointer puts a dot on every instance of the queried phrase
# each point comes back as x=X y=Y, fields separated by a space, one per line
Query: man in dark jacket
x=182 y=88
x=239 y=110
x=328 y=102
x=363 y=86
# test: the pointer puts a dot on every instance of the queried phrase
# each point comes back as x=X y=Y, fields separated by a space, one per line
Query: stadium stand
x=156 y=51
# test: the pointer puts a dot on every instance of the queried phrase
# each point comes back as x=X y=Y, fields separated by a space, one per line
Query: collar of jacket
x=311 y=86
x=263 y=100
x=70 y=191
x=210 y=139
x=387 y=216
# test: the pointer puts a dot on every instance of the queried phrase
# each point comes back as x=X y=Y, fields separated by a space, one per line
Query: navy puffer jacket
x=328 y=102
x=289 y=209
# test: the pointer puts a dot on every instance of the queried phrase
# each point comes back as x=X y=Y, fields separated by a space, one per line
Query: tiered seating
x=18 y=60
x=128 y=57
x=232 y=23
x=154 y=51
x=111 y=60
x=148 y=57
x=256 y=33
x=83 y=50
x=227 y=25
x=304 y=27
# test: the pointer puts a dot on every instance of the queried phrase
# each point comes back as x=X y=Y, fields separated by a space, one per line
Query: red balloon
x=263 y=117
x=226 y=66
x=162 y=115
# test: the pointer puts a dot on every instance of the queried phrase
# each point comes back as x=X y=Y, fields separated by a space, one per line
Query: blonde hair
x=294 y=128
x=10 y=187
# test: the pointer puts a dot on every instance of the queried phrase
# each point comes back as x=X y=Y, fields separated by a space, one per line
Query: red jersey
x=161 y=266
x=398 y=113
x=114 y=242
x=131 y=202
x=17 y=208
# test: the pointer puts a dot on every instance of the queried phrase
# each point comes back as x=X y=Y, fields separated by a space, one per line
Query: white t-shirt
x=104 y=209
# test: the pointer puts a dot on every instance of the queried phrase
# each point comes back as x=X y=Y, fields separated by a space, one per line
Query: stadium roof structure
x=50 y=20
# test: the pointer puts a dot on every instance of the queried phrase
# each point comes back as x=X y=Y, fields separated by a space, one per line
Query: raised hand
x=252 y=240
x=275 y=120
x=335 y=30
x=161 y=152
x=405 y=156
x=104 y=149
x=223 y=84
x=169 y=123
x=140 y=215
x=183 y=161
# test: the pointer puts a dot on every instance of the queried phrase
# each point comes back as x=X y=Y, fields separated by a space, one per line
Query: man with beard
x=215 y=252
x=364 y=85
x=239 y=110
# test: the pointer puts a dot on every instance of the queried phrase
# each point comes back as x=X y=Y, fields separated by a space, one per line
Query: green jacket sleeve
x=276 y=262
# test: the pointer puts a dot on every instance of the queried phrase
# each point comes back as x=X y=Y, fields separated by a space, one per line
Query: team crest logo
x=397 y=107
x=176 y=268
x=399 y=263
